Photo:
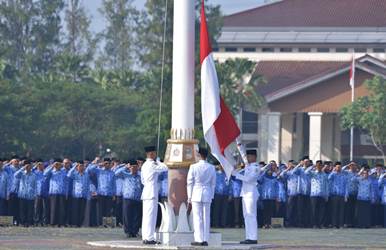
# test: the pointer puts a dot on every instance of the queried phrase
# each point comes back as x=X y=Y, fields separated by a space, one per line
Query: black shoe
x=150 y=242
x=205 y=243
x=248 y=242
x=195 y=243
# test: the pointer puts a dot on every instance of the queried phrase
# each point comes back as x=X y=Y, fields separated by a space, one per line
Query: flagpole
x=352 y=100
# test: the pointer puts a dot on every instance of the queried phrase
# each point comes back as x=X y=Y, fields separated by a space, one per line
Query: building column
x=298 y=140
x=287 y=136
x=327 y=147
x=273 y=138
x=315 y=135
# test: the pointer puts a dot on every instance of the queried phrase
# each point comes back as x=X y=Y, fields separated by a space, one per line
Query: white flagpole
x=352 y=84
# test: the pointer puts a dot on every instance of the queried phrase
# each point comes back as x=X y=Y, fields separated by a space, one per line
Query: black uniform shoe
x=150 y=242
x=248 y=242
x=199 y=243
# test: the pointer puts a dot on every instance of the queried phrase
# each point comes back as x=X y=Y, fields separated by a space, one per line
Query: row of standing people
x=307 y=195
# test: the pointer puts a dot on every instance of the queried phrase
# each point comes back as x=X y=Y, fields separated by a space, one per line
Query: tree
x=80 y=43
x=119 y=35
x=29 y=34
x=369 y=113
x=150 y=32
x=238 y=83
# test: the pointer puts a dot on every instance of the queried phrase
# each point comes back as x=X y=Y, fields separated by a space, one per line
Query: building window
x=230 y=49
x=215 y=49
x=305 y=50
x=341 y=50
x=379 y=50
x=249 y=49
x=285 y=49
x=323 y=50
x=268 y=49
x=360 y=50
x=249 y=125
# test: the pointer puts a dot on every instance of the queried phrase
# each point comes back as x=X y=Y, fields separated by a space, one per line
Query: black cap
x=106 y=159
x=27 y=161
x=252 y=152
x=15 y=157
x=133 y=162
x=203 y=152
x=306 y=157
x=140 y=159
x=80 y=162
x=58 y=160
x=149 y=149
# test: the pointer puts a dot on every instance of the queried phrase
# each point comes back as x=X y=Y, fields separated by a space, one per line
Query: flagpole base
x=182 y=149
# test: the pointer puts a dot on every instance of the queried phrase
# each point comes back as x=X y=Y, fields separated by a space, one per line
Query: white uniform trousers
x=149 y=218
x=201 y=221
x=250 y=218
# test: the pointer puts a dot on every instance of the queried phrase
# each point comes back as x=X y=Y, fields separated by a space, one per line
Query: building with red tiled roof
x=303 y=49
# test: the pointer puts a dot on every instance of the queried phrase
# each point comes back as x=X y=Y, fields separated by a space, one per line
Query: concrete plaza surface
x=76 y=238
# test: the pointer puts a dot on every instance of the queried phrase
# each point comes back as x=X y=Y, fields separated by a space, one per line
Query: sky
x=227 y=6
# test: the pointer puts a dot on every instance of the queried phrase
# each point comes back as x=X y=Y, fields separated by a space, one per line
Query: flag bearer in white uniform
x=149 y=178
x=201 y=182
x=249 y=195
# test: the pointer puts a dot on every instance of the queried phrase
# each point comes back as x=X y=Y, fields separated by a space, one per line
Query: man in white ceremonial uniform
x=201 y=182
x=249 y=194
x=149 y=178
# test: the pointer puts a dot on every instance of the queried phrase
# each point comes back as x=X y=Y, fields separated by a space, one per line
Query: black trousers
x=303 y=210
x=57 y=209
x=349 y=211
x=118 y=209
x=131 y=215
x=318 y=205
x=280 y=209
x=68 y=213
x=3 y=207
x=377 y=214
x=220 y=210
x=337 y=217
x=268 y=211
x=364 y=214
x=384 y=215
x=327 y=218
x=91 y=213
x=237 y=212
x=13 y=208
x=105 y=206
x=26 y=209
x=291 y=213
x=78 y=211
x=41 y=210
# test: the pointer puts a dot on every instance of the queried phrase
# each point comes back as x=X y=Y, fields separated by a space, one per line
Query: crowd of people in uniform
x=317 y=194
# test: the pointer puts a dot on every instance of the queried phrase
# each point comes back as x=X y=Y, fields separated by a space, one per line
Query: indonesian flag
x=220 y=128
x=352 y=73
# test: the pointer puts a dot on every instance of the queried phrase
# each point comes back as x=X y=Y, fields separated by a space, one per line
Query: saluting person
x=132 y=190
x=249 y=196
x=57 y=192
x=5 y=189
x=150 y=171
x=80 y=191
x=201 y=182
x=27 y=193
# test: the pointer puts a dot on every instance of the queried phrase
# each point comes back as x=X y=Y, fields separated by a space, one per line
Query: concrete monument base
x=136 y=244
x=184 y=239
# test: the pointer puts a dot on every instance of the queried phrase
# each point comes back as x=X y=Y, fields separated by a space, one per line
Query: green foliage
x=369 y=113
x=238 y=84
x=57 y=99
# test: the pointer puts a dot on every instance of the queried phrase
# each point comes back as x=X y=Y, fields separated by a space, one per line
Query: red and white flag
x=352 y=73
x=220 y=128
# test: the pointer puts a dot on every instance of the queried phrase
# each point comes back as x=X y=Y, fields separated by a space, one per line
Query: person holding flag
x=221 y=130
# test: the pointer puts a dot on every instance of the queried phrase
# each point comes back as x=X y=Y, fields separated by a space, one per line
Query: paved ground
x=75 y=238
